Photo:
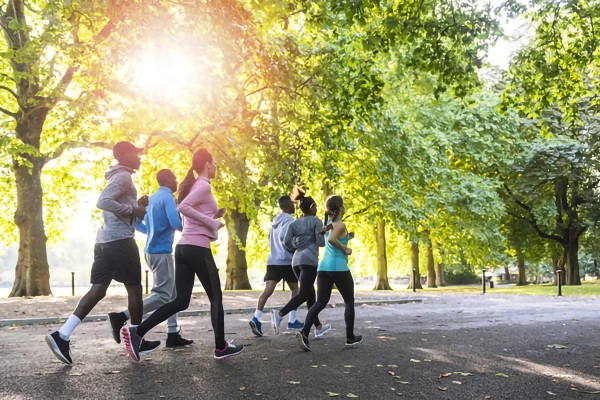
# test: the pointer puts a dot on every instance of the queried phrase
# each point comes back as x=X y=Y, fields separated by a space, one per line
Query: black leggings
x=308 y=274
x=345 y=284
x=190 y=260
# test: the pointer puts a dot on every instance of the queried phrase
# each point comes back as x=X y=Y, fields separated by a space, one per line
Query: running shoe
x=354 y=341
x=256 y=326
x=117 y=321
x=176 y=340
x=132 y=342
x=303 y=341
x=60 y=347
x=321 y=332
x=148 y=346
x=229 y=351
x=275 y=320
x=295 y=326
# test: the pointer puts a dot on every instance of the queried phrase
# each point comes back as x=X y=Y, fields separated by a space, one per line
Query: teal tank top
x=334 y=259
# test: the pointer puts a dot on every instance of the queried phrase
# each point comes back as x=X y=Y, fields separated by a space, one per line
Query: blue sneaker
x=324 y=329
x=295 y=326
x=256 y=326
x=275 y=320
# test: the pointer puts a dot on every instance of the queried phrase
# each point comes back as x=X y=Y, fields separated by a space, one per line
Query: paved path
x=482 y=336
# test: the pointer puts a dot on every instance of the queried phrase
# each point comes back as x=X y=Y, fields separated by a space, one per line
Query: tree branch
x=14 y=94
x=71 y=144
x=9 y=113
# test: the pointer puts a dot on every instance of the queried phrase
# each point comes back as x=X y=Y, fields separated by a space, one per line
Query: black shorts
x=118 y=260
x=285 y=272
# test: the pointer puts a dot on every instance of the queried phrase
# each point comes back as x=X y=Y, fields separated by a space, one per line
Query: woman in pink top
x=193 y=256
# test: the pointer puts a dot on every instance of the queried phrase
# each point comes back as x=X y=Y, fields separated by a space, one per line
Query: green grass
x=588 y=288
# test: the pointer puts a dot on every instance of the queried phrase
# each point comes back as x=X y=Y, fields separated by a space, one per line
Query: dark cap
x=123 y=148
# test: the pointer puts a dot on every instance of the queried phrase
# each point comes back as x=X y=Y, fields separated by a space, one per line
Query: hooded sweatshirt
x=199 y=209
x=117 y=201
x=279 y=255
x=303 y=236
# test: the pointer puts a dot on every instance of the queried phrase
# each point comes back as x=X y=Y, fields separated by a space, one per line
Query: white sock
x=258 y=314
x=292 y=316
x=69 y=326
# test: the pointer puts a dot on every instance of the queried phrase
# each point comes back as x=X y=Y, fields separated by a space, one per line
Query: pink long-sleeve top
x=198 y=210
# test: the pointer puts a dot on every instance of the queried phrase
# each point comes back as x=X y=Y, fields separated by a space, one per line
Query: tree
x=382 y=274
x=414 y=265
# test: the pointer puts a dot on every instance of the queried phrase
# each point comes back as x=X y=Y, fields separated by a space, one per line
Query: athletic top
x=199 y=209
x=334 y=259
x=161 y=222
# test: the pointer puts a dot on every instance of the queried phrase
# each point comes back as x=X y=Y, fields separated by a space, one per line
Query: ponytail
x=306 y=203
x=186 y=186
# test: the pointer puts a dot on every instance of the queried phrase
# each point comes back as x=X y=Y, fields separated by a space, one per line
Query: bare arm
x=339 y=230
x=319 y=238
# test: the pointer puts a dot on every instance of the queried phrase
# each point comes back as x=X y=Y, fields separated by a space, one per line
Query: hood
x=115 y=169
x=281 y=219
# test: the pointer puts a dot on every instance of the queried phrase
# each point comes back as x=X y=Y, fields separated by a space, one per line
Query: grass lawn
x=588 y=288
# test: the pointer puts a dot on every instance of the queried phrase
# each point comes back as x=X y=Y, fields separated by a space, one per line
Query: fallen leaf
x=178 y=350
x=258 y=394
x=423 y=340
x=463 y=373
x=378 y=365
x=585 y=391
x=162 y=397
x=457 y=382
x=404 y=383
x=550 y=393
x=426 y=360
x=392 y=366
x=49 y=372
x=331 y=394
x=314 y=366
x=242 y=388
x=443 y=389
x=75 y=374
x=415 y=361
x=112 y=372
x=445 y=375
x=556 y=346
x=487 y=397
x=352 y=396
x=500 y=375
x=348 y=366
x=391 y=373
x=293 y=383
x=265 y=359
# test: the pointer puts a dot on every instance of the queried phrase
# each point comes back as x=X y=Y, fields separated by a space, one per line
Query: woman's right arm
x=197 y=195
x=339 y=228
x=318 y=236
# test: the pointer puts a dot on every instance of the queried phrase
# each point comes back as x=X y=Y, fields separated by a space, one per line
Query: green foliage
x=462 y=277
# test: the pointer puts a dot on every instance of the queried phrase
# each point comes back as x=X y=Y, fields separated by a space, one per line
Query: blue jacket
x=160 y=223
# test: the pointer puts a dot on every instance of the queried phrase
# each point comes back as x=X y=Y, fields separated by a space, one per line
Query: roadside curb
x=191 y=313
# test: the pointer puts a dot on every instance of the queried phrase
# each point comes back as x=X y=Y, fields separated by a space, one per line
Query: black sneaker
x=303 y=341
x=132 y=342
x=354 y=341
x=60 y=347
x=230 y=350
x=175 y=340
x=148 y=346
x=117 y=321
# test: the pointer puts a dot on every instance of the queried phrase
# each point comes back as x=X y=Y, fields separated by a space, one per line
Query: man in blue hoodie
x=279 y=266
x=160 y=223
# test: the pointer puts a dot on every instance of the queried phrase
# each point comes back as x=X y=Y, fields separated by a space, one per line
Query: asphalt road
x=406 y=352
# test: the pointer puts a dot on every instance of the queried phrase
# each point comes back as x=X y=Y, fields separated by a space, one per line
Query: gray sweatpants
x=163 y=290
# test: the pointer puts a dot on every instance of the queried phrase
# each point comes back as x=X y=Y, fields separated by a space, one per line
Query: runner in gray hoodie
x=279 y=266
x=116 y=255
x=304 y=238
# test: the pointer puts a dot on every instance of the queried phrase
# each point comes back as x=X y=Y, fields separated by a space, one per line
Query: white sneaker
x=275 y=320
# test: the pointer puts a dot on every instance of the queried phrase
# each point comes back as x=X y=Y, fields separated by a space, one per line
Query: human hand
x=220 y=213
x=139 y=212
x=143 y=201
x=348 y=251
x=351 y=234
x=221 y=225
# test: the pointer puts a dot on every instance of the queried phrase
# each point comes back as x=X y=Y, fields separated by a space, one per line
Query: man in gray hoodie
x=279 y=266
x=116 y=255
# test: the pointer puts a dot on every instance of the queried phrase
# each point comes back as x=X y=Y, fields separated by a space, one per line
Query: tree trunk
x=32 y=273
x=237 y=267
x=573 y=277
x=506 y=273
x=414 y=264
x=430 y=266
x=558 y=263
x=439 y=269
x=521 y=266
x=382 y=272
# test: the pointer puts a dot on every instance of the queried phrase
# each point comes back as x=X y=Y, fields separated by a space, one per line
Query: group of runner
x=294 y=249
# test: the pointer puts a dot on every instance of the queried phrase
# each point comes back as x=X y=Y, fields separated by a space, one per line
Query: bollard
x=559 y=283
x=72 y=283
x=483 y=281
x=283 y=285
x=146 y=281
x=414 y=280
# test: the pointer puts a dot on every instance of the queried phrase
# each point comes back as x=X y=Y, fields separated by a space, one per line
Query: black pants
x=345 y=284
x=190 y=260
x=308 y=274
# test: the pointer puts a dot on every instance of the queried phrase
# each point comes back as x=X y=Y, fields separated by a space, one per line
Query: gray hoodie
x=117 y=201
x=279 y=255
x=303 y=236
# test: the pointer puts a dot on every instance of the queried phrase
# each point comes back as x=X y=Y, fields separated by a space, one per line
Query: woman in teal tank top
x=333 y=270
